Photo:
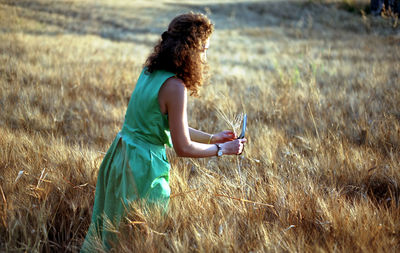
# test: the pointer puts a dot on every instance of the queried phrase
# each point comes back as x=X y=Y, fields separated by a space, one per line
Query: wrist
x=210 y=139
x=220 y=152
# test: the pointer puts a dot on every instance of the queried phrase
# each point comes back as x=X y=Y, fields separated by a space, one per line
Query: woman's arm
x=202 y=137
x=173 y=96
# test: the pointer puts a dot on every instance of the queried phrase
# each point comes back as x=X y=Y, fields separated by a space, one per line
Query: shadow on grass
x=382 y=189
x=116 y=24
x=323 y=19
x=128 y=23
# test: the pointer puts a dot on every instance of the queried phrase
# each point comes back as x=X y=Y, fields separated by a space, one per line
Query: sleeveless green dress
x=135 y=166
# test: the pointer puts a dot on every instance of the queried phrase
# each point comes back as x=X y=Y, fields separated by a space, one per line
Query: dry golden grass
x=320 y=86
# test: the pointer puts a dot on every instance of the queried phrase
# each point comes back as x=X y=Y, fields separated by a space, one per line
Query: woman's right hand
x=234 y=147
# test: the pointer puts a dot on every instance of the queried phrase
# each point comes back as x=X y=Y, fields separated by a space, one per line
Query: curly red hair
x=179 y=50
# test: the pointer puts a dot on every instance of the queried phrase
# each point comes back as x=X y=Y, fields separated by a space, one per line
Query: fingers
x=241 y=146
x=234 y=147
x=224 y=136
x=229 y=134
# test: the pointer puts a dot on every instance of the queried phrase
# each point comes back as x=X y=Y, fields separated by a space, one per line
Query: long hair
x=180 y=47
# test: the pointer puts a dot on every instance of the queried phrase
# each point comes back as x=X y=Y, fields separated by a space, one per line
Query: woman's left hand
x=223 y=136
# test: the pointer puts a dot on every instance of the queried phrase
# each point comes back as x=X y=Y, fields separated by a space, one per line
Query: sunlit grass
x=320 y=87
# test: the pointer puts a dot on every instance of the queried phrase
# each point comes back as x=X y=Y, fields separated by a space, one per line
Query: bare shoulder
x=174 y=84
x=173 y=87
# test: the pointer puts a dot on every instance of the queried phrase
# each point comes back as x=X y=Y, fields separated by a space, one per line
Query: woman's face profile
x=203 y=55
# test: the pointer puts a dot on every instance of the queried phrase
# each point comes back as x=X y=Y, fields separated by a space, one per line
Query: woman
x=136 y=167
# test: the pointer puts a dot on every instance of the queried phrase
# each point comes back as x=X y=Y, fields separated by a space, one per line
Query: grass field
x=319 y=81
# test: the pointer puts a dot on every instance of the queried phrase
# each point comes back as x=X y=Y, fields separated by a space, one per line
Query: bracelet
x=209 y=140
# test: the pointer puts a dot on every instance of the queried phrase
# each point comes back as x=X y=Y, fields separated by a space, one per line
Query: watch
x=219 y=153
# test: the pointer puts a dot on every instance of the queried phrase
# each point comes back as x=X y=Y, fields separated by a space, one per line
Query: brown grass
x=320 y=86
